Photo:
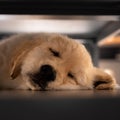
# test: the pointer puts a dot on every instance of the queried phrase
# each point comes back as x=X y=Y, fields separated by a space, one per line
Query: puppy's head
x=54 y=62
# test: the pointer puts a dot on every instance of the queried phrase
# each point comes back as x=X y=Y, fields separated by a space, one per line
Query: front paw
x=103 y=81
x=104 y=85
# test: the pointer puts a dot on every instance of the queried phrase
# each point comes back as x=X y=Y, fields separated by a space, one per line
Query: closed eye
x=71 y=75
x=55 y=53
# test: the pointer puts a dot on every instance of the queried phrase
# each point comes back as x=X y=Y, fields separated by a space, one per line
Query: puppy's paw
x=104 y=84
x=103 y=81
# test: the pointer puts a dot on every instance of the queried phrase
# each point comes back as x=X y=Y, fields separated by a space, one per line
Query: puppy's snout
x=44 y=75
x=48 y=73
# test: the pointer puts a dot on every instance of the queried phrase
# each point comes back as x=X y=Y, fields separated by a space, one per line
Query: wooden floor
x=76 y=94
x=60 y=105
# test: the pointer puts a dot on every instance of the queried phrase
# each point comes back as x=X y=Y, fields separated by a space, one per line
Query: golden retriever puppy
x=44 y=61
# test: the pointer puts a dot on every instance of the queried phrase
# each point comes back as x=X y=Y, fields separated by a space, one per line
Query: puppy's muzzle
x=46 y=74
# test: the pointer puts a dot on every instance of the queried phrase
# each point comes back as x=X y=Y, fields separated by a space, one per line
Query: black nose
x=45 y=75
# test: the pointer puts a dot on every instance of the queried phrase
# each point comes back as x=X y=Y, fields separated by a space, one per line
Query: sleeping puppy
x=44 y=61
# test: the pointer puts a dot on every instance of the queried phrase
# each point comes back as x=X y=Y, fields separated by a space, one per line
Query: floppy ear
x=21 y=51
x=103 y=80
x=16 y=63
x=18 y=57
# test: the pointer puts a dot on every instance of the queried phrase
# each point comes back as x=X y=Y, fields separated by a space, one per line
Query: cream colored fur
x=21 y=55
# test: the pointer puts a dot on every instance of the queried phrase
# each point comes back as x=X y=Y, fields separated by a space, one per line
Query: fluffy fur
x=22 y=56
